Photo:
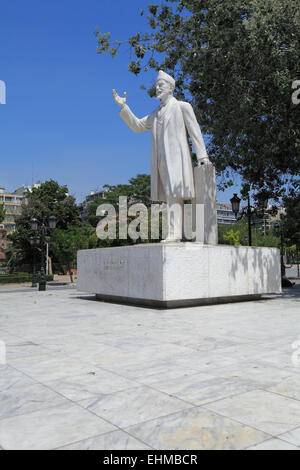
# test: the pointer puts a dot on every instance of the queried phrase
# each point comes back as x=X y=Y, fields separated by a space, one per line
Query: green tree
x=235 y=60
x=65 y=243
x=237 y=234
x=2 y=213
x=49 y=199
x=291 y=220
x=137 y=191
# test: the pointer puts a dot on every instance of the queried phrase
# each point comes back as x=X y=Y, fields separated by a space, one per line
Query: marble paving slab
x=94 y=353
x=196 y=429
x=204 y=362
x=201 y=388
x=23 y=349
x=148 y=372
x=89 y=386
x=25 y=399
x=256 y=372
x=289 y=388
x=51 y=428
x=10 y=378
x=133 y=406
x=274 y=444
x=167 y=372
x=47 y=367
x=271 y=413
x=116 y=440
x=9 y=338
x=293 y=437
x=207 y=343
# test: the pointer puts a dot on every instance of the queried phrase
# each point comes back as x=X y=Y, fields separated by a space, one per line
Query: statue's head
x=165 y=85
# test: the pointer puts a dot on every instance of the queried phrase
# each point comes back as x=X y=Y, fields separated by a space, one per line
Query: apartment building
x=225 y=216
x=84 y=206
x=12 y=203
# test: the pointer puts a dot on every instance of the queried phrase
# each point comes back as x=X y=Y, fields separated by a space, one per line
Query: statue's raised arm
x=120 y=101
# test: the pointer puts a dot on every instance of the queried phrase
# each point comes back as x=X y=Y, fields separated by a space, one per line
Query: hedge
x=19 y=277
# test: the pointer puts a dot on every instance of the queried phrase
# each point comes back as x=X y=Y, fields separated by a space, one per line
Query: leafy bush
x=232 y=237
x=19 y=278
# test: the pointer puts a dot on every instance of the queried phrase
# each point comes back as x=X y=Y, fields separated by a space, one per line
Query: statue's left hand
x=205 y=161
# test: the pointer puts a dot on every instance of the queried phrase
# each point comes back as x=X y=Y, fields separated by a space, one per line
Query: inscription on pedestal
x=117 y=264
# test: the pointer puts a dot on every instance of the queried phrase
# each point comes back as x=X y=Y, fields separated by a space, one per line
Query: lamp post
x=247 y=211
x=34 y=242
x=297 y=257
x=279 y=231
x=42 y=229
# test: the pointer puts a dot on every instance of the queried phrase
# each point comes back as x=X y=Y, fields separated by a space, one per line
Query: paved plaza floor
x=82 y=374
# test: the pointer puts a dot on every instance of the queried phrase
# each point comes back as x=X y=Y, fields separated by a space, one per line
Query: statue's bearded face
x=163 y=89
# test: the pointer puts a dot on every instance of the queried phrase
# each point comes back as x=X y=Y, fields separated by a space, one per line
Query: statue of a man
x=172 y=179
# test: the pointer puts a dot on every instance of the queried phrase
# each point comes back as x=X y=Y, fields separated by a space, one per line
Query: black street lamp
x=34 y=242
x=247 y=211
x=52 y=222
x=42 y=237
x=235 y=204
x=297 y=256
x=34 y=224
x=279 y=230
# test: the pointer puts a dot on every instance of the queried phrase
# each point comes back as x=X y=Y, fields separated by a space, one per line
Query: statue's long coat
x=170 y=143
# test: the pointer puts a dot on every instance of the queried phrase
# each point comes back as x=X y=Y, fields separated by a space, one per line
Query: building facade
x=225 y=216
x=84 y=206
x=12 y=203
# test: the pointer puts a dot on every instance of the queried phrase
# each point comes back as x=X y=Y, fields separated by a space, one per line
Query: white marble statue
x=172 y=178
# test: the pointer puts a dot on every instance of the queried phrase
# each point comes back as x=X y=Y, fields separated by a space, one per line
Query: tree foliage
x=137 y=191
x=235 y=60
x=48 y=199
x=2 y=213
x=291 y=221
x=232 y=237
x=237 y=234
x=66 y=243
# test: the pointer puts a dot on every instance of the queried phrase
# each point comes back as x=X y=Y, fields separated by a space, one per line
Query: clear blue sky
x=60 y=120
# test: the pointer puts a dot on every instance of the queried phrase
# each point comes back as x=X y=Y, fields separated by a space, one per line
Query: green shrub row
x=19 y=277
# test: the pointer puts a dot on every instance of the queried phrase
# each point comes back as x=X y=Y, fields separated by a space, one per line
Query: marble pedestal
x=179 y=274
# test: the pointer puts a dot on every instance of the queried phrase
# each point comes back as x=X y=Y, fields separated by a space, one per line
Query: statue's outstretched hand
x=205 y=161
x=120 y=101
